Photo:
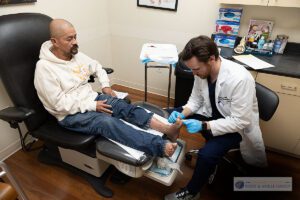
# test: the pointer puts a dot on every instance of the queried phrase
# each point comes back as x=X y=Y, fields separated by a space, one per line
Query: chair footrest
x=108 y=148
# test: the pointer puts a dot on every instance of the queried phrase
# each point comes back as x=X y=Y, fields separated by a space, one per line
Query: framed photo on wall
x=159 y=4
x=4 y=2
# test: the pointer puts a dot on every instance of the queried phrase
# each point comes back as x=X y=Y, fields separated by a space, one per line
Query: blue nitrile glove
x=193 y=125
x=174 y=115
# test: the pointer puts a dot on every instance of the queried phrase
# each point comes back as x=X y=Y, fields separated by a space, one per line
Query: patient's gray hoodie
x=63 y=86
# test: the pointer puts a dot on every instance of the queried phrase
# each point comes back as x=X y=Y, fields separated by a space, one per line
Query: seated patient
x=61 y=81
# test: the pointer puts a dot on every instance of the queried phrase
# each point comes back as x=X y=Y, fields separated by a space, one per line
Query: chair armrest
x=108 y=70
x=15 y=114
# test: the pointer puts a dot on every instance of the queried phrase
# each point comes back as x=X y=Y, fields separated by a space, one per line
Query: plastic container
x=277 y=45
x=225 y=40
x=230 y=14
x=227 y=27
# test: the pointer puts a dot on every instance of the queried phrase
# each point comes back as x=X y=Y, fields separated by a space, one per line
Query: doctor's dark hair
x=202 y=47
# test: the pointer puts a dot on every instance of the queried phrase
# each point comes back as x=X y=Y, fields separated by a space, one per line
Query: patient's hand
x=109 y=91
x=103 y=107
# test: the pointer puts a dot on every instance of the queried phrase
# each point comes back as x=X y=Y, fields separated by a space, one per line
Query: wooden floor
x=44 y=182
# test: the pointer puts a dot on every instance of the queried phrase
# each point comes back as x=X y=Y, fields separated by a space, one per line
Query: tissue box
x=227 y=27
x=225 y=40
x=230 y=14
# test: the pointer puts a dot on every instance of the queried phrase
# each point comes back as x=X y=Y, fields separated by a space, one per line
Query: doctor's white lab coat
x=236 y=101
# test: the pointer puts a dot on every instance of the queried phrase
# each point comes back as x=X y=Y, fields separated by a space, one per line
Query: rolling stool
x=8 y=192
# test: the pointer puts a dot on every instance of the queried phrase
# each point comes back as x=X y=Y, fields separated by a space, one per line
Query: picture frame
x=159 y=4
x=5 y=2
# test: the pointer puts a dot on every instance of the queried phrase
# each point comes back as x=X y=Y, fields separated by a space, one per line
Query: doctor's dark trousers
x=209 y=155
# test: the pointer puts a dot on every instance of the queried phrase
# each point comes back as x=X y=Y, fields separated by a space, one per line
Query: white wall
x=132 y=26
x=91 y=21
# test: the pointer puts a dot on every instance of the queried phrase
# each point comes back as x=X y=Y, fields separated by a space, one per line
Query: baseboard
x=141 y=87
x=10 y=149
x=14 y=147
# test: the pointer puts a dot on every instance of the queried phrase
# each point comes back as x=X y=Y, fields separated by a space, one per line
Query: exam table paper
x=136 y=153
x=253 y=61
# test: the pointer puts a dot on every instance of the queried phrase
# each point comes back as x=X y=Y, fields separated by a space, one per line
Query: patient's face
x=67 y=43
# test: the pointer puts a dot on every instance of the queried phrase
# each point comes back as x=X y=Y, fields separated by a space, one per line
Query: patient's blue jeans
x=209 y=155
x=110 y=126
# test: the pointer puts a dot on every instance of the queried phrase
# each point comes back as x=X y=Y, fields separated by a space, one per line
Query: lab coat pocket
x=224 y=107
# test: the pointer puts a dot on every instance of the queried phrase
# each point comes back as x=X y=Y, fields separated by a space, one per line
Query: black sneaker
x=183 y=194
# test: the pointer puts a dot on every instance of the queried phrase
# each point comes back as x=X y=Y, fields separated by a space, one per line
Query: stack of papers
x=253 y=61
x=121 y=95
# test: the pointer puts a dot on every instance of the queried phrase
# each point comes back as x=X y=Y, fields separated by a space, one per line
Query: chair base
x=51 y=156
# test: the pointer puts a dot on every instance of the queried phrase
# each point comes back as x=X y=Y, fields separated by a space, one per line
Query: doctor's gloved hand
x=193 y=125
x=174 y=115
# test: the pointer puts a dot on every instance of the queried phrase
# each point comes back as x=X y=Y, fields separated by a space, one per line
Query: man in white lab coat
x=223 y=108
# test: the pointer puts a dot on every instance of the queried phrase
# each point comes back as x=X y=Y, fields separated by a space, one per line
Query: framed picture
x=159 y=4
x=4 y=2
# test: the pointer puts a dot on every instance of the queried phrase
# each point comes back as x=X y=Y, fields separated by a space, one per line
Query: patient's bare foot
x=170 y=149
x=173 y=131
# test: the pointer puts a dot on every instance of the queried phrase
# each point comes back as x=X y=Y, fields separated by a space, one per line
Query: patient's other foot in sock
x=170 y=149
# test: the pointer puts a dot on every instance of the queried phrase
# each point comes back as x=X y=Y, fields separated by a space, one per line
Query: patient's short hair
x=57 y=27
x=202 y=47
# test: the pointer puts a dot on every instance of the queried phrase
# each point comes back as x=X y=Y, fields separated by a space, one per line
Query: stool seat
x=7 y=192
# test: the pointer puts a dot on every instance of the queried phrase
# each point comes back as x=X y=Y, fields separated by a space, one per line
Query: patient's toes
x=170 y=149
x=178 y=122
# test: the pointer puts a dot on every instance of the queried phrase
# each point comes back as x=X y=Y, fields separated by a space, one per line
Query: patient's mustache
x=74 y=49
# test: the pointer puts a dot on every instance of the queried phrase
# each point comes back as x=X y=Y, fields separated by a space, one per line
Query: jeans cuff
x=163 y=148
x=147 y=125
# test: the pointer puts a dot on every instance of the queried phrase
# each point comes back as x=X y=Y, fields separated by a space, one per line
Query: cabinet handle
x=288 y=87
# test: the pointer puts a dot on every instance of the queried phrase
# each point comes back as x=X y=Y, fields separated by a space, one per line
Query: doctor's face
x=198 y=68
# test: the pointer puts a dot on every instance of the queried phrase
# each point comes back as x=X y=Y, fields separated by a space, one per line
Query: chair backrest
x=21 y=37
x=267 y=100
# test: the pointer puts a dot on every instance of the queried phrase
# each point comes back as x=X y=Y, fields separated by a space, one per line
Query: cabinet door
x=246 y=2
x=284 y=3
x=253 y=73
x=282 y=131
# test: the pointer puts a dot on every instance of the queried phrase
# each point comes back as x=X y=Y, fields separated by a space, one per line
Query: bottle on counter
x=261 y=42
x=277 y=45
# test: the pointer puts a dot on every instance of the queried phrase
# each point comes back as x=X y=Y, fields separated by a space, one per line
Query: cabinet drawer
x=281 y=132
x=280 y=84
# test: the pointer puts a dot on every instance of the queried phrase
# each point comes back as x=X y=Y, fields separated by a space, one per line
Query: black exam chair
x=268 y=102
x=89 y=156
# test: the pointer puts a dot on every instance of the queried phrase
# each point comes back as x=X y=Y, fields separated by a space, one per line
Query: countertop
x=287 y=64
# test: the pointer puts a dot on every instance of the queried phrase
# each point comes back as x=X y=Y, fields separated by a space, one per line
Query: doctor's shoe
x=183 y=194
